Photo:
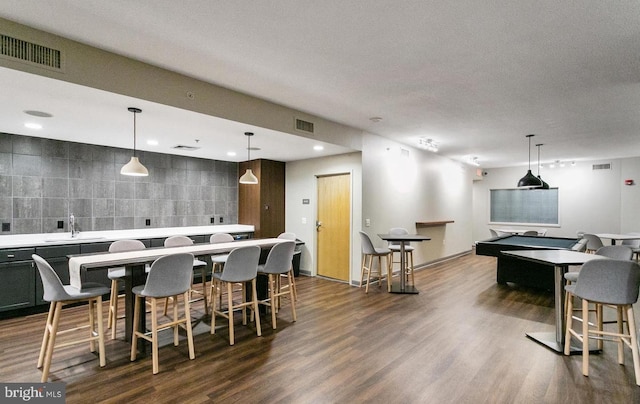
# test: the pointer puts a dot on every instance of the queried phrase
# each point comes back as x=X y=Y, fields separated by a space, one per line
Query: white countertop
x=49 y=239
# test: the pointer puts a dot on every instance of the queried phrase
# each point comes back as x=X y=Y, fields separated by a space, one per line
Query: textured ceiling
x=474 y=76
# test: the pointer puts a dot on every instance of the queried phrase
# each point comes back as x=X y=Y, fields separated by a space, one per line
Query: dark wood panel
x=461 y=340
x=262 y=205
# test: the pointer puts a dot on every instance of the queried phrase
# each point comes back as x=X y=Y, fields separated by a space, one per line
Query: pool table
x=524 y=273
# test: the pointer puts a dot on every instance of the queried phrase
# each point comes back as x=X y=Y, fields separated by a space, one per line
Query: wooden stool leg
x=254 y=295
x=154 y=334
x=620 y=324
x=52 y=342
x=214 y=299
x=134 y=335
x=47 y=334
x=366 y=290
x=230 y=305
x=175 y=320
x=631 y=324
x=569 y=322
x=92 y=325
x=292 y=296
x=585 y=337
x=101 y=354
x=272 y=296
x=204 y=289
x=113 y=309
x=413 y=281
x=187 y=314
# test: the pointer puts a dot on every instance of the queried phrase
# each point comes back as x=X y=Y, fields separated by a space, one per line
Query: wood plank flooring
x=461 y=340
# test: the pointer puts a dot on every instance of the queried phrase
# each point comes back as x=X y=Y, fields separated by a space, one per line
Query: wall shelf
x=432 y=224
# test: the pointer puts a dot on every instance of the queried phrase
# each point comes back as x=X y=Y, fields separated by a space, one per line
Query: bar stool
x=606 y=282
x=241 y=267
x=278 y=263
x=593 y=242
x=198 y=265
x=59 y=295
x=368 y=253
x=289 y=274
x=395 y=247
x=117 y=275
x=219 y=259
x=169 y=276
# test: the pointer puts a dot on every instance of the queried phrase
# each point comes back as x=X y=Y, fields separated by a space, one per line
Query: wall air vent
x=304 y=126
x=606 y=166
x=184 y=147
x=31 y=53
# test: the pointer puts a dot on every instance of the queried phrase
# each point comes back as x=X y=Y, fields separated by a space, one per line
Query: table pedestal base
x=548 y=339
x=408 y=289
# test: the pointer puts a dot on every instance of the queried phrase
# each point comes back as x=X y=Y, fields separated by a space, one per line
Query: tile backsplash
x=43 y=181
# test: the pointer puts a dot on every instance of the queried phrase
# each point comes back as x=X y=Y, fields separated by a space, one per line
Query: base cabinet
x=17 y=286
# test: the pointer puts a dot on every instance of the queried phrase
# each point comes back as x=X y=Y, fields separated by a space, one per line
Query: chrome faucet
x=72 y=226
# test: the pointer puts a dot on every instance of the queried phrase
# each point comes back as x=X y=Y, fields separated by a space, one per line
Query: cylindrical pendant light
x=134 y=167
x=248 y=177
x=529 y=180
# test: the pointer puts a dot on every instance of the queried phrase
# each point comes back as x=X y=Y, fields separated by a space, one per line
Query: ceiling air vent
x=30 y=52
x=606 y=166
x=304 y=126
x=184 y=147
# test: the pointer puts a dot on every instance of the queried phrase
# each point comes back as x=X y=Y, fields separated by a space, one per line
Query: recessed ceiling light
x=152 y=142
x=39 y=114
x=318 y=148
x=231 y=153
x=33 y=125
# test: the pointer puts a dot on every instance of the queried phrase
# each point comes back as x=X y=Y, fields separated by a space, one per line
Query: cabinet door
x=17 y=285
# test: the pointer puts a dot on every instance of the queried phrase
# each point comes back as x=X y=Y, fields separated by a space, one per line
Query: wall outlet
x=147 y=222
x=304 y=220
x=6 y=226
x=367 y=222
x=60 y=224
x=221 y=219
x=213 y=220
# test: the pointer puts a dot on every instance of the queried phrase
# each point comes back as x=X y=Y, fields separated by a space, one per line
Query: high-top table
x=560 y=260
x=403 y=239
x=618 y=237
x=135 y=261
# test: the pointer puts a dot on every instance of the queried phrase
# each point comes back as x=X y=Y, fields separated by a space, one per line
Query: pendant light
x=529 y=180
x=544 y=184
x=248 y=177
x=134 y=168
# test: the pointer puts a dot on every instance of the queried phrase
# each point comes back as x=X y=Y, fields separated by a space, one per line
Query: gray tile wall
x=43 y=181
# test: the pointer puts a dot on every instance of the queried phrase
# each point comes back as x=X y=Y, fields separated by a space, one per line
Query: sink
x=67 y=237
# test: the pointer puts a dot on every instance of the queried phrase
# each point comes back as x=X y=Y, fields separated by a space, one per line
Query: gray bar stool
x=60 y=295
x=606 y=282
x=368 y=253
x=278 y=263
x=198 y=265
x=241 y=267
x=169 y=276
x=116 y=275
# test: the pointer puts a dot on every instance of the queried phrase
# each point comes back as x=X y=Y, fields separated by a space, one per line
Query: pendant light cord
x=527 y=136
x=134 y=134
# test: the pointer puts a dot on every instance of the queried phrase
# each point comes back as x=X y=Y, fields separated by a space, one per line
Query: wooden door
x=333 y=226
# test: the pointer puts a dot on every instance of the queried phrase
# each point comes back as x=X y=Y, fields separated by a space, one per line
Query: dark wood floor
x=461 y=340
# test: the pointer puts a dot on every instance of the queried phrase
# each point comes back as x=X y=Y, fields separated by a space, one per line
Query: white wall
x=594 y=201
x=402 y=188
x=301 y=184
x=391 y=190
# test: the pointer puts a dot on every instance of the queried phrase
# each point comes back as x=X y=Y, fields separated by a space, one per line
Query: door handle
x=318 y=224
